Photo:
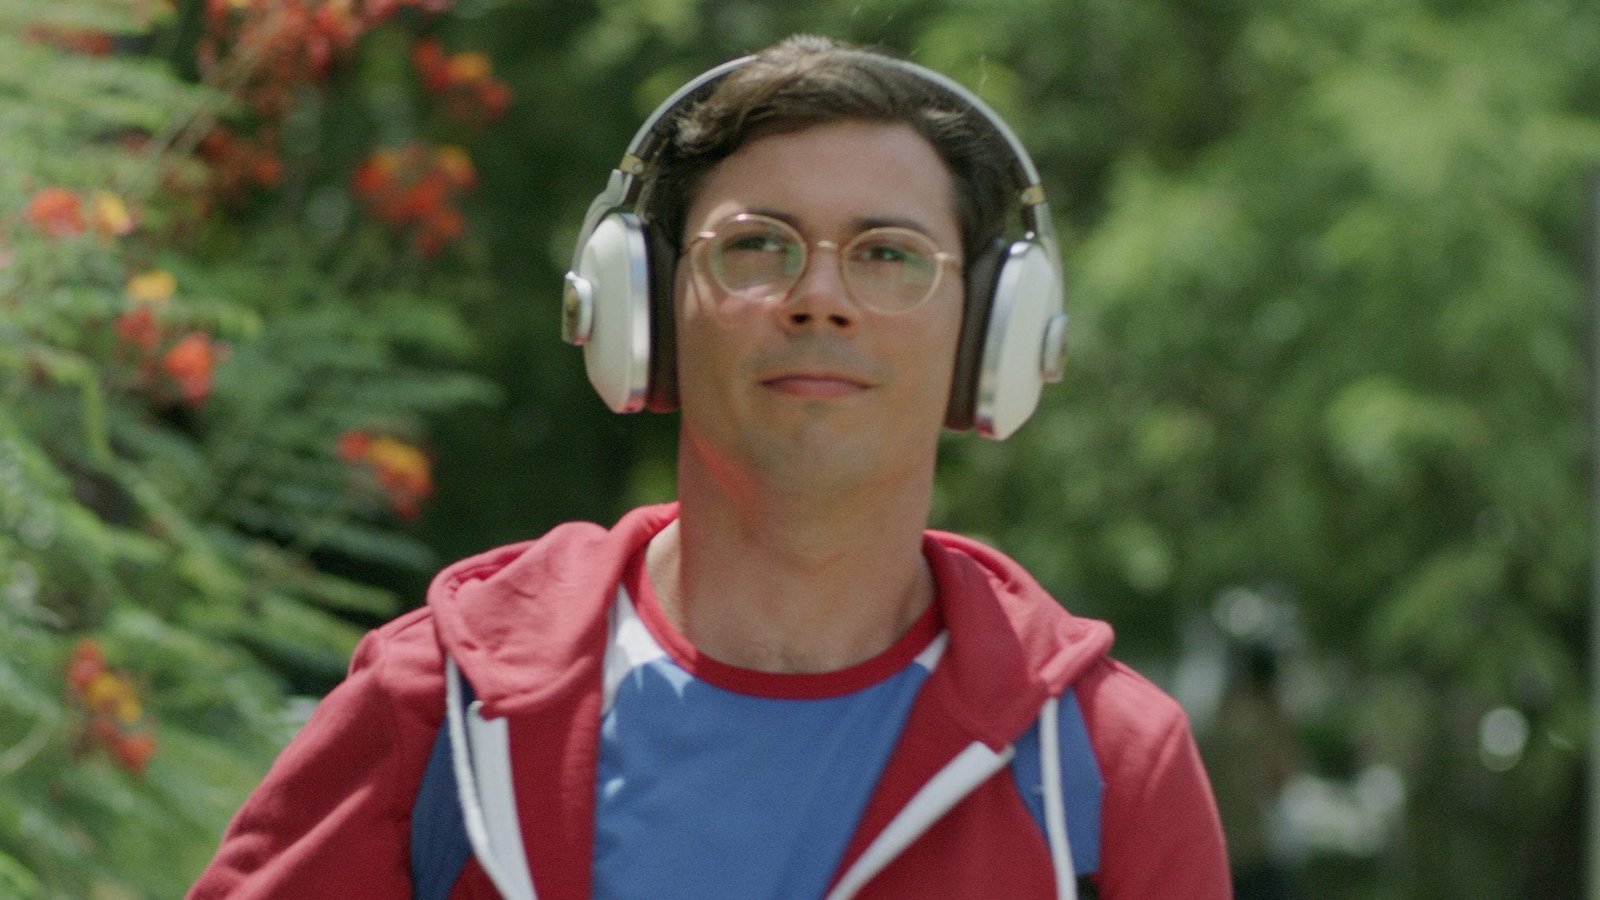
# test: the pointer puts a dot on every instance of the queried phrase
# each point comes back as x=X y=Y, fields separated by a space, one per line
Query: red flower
x=239 y=163
x=73 y=40
x=57 y=212
x=439 y=229
x=88 y=663
x=403 y=470
x=375 y=173
x=465 y=82
x=495 y=98
x=111 y=702
x=267 y=168
x=378 y=10
x=190 y=362
x=138 y=328
x=353 y=445
x=456 y=167
x=422 y=199
x=429 y=58
x=133 y=751
x=416 y=187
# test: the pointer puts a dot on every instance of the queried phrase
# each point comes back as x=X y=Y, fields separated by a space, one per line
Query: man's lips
x=818 y=385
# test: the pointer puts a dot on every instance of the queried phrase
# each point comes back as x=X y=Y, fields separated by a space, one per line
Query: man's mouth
x=816 y=385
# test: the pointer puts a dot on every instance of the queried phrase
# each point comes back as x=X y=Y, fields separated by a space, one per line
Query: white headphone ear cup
x=617 y=354
x=1013 y=370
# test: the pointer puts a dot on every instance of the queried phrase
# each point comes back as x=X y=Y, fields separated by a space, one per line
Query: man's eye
x=756 y=243
x=883 y=253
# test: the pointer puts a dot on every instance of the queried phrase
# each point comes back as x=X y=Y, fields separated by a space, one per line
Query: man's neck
x=792 y=582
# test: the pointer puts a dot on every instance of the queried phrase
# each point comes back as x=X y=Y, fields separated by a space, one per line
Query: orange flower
x=496 y=99
x=111 y=695
x=267 y=168
x=190 y=362
x=133 y=751
x=72 y=40
x=353 y=445
x=456 y=166
x=469 y=68
x=439 y=229
x=113 y=706
x=138 y=328
x=429 y=58
x=400 y=465
x=375 y=173
x=87 y=664
x=403 y=470
x=56 y=211
x=417 y=186
x=422 y=199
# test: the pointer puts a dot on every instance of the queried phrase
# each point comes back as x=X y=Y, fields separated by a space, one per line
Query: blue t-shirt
x=717 y=781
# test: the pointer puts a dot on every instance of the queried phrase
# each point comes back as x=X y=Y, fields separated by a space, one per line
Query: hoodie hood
x=523 y=622
x=1012 y=645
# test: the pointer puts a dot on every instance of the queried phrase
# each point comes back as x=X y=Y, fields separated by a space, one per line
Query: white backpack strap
x=480 y=751
x=1055 y=806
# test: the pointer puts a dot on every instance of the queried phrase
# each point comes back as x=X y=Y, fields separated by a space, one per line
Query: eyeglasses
x=759 y=258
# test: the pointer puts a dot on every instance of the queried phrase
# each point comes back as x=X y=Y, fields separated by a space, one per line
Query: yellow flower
x=110 y=215
x=112 y=694
x=456 y=165
x=128 y=709
x=399 y=462
x=469 y=68
x=155 y=286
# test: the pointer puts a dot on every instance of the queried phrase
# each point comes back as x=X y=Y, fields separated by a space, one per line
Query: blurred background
x=279 y=290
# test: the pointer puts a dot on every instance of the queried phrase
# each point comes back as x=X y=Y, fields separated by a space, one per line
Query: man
x=781 y=685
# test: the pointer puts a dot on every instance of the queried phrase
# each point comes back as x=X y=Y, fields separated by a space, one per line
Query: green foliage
x=186 y=389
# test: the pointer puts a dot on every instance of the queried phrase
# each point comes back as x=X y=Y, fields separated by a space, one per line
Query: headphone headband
x=624 y=184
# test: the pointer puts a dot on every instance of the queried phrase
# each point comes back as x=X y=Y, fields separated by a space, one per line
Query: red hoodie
x=527 y=624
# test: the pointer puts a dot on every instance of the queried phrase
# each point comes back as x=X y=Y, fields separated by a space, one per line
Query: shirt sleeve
x=332 y=816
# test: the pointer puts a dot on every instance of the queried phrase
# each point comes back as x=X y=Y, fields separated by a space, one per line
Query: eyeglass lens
x=759 y=258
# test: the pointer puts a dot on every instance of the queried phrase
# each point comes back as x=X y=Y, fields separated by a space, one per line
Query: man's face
x=816 y=388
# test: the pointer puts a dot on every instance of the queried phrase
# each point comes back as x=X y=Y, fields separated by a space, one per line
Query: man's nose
x=820 y=296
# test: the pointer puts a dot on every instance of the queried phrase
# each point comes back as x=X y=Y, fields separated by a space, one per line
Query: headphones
x=618 y=299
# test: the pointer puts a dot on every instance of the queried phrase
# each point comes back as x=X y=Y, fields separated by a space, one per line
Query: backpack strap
x=1063 y=794
x=439 y=844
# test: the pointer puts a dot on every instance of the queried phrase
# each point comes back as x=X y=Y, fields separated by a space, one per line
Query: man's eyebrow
x=858 y=225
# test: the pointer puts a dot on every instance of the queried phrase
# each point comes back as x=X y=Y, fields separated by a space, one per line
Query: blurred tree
x=1334 y=349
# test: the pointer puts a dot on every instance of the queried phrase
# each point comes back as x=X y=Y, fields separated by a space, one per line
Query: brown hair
x=807 y=80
